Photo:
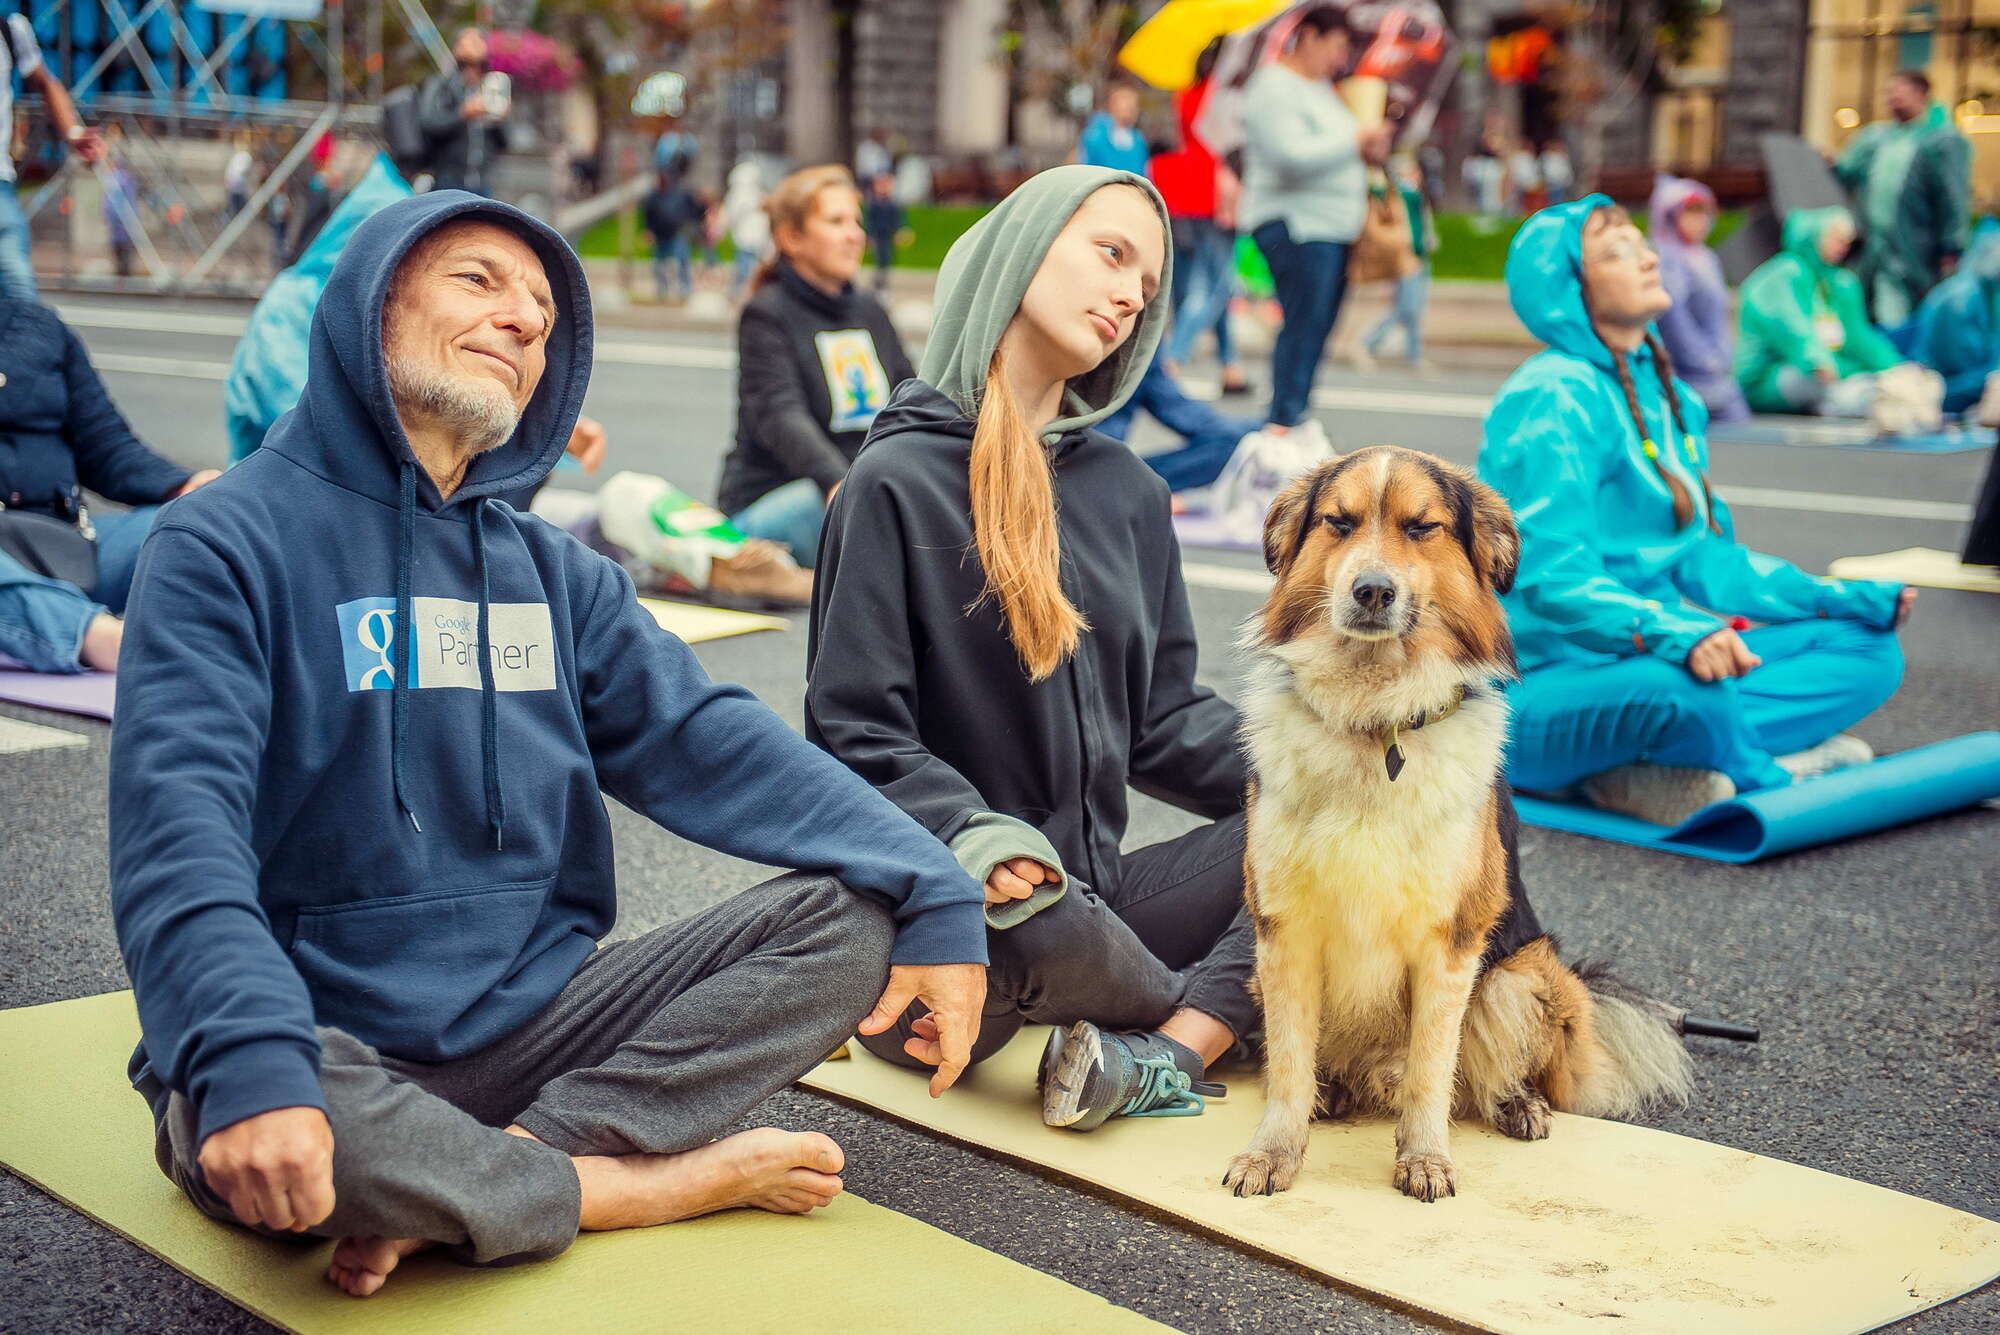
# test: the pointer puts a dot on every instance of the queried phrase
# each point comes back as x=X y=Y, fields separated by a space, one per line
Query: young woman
x=816 y=360
x=1001 y=643
x=1654 y=707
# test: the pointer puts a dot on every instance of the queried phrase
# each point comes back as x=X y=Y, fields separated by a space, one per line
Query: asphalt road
x=1870 y=965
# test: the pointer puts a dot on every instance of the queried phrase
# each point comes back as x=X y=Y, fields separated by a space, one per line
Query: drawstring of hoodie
x=489 y=724
x=405 y=640
x=405 y=636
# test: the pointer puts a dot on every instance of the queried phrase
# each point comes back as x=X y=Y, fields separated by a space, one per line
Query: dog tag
x=1392 y=760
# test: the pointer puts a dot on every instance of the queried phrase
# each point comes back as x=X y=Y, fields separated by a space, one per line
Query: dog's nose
x=1375 y=591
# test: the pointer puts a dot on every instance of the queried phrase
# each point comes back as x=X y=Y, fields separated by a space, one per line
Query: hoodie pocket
x=400 y=972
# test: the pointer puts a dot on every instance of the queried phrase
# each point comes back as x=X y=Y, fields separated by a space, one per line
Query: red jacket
x=1186 y=176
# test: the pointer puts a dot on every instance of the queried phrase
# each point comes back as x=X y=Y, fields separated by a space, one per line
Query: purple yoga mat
x=72 y=693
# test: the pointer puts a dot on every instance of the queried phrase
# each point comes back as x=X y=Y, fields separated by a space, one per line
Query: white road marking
x=1836 y=503
x=133 y=364
x=1236 y=579
x=17 y=736
x=152 y=321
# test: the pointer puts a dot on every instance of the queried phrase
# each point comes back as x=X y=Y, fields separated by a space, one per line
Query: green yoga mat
x=71 y=1125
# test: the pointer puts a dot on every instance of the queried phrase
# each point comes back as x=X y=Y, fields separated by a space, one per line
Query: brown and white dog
x=1397 y=960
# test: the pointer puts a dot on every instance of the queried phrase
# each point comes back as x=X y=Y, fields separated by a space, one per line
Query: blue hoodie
x=1606 y=571
x=1958 y=326
x=302 y=832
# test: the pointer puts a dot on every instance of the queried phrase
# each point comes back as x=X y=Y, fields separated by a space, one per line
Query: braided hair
x=1663 y=364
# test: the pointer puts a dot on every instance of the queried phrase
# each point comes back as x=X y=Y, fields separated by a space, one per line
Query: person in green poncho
x=1911 y=177
x=1804 y=343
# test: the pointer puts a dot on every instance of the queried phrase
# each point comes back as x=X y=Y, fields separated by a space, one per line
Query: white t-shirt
x=23 y=56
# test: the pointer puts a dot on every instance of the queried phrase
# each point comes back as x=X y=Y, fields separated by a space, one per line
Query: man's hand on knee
x=956 y=993
x=274 y=1169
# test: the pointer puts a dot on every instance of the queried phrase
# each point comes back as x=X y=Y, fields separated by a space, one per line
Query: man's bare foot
x=785 y=1172
x=362 y=1265
x=101 y=641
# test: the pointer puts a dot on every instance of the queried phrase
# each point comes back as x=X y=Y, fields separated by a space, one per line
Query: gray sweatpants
x=659 y=1044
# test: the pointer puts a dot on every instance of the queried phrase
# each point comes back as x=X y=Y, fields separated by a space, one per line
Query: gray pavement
x=1870 y=965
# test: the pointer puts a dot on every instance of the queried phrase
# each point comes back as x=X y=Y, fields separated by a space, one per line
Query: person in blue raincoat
x=1958 y=326
x=1630 y=691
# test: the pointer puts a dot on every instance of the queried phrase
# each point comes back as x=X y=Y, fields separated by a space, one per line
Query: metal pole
x=272 y=183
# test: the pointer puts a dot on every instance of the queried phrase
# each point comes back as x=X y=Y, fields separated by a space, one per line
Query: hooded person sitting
x=1630 y=690
x=1805 y=344
x=1958 y=327
x=360 y=858
x=1698 y=328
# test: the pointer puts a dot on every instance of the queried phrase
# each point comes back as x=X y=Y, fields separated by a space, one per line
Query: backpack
x=402 y=132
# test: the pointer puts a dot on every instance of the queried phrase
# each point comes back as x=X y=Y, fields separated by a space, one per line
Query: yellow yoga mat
x=694 y=622
x=71 y=1125
x=1919 y=565
x=1601 y=1227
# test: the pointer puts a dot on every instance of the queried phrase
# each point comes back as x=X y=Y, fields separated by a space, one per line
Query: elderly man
x=464 y=133
x=1911 y=178
x=360 y=860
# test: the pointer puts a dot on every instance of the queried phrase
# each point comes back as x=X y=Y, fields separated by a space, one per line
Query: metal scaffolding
x=159 y=196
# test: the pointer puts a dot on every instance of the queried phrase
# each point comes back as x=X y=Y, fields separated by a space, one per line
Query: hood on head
x=346 y=427
x=1545 y=278
x=1671 y=194
x=987 y=272
x=1982 y=256
x=1804 y=228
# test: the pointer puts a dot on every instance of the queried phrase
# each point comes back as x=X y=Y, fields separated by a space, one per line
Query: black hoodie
x=794 y=345
x=930 y=703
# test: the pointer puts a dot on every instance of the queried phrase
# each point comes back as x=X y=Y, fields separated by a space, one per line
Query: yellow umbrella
x=1165 y=48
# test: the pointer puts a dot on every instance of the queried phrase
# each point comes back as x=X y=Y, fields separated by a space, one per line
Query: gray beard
x=482 y=417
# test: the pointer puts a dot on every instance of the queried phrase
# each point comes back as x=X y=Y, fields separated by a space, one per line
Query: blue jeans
x=1211 y=436
x=791 y=515
x=17 y=264
x=1408 y=311
x=1310 y=278
x=680 y=254
x=1818 y=678
x=1204 y=283
x=42 y=621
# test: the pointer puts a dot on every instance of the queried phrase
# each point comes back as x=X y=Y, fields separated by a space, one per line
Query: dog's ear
x=1282 y=535
x=1496 y=543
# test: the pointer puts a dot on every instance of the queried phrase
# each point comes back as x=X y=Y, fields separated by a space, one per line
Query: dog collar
x=1393 y=758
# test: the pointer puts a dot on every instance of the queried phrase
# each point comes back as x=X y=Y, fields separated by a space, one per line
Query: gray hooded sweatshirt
x=913 y=681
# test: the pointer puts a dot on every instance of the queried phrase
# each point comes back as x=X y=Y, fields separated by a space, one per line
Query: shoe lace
x=1165 y=1090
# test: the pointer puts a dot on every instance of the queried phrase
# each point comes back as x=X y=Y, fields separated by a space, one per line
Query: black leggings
x=1173 y=932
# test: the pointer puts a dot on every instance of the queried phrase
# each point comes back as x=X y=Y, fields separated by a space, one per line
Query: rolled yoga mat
x=1894 y=790
x=1919 y=565
x=1601 y=1227
x=71 y=1125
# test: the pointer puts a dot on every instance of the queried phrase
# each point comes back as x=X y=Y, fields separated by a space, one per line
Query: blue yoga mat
x=1910 y=785
x=1813 y=431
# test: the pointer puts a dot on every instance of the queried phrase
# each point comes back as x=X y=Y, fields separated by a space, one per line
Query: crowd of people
x=449 y=1060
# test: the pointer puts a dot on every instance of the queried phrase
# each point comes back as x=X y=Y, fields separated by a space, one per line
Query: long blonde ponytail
x=1014 y=528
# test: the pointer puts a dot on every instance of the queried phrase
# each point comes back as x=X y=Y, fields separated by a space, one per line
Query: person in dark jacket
x=60 y=434
x=360 y=858
x=670 y=210
x=816 y=361
x=464 y=133
x=885 y=219
x=1001 y=643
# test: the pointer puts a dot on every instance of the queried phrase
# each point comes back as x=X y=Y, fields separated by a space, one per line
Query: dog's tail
x=1629 y=1058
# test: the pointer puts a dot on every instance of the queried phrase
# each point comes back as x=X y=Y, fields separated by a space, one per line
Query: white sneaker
x=1838 y=752
x=1662 y=794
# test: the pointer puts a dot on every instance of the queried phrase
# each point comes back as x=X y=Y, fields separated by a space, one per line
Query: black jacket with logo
x=792 y=343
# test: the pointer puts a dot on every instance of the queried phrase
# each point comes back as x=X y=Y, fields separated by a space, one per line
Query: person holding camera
x=463 y=114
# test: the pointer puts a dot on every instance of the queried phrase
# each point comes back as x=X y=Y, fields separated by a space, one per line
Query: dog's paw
x=1425 y=1176
x=1523 y=1116
x=1259 y=1173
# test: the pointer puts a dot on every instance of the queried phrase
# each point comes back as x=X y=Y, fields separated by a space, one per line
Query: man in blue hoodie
x=360 y=857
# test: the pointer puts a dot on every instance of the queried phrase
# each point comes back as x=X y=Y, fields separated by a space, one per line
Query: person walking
x=885 y=219
x=672 y=213
x=1911 y=178
x=746 y=224
x=1305 y=191
x=1111 y=138
x=1202 y=194
x=21 y=67
x=1412 y=292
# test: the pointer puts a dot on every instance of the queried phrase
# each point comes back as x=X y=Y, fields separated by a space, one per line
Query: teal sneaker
x=1089 y=1077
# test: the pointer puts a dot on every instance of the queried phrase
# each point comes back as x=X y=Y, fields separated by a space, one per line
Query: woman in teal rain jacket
x=1629 y=688
x=1958 y=326
x=1805 y=343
